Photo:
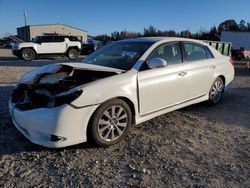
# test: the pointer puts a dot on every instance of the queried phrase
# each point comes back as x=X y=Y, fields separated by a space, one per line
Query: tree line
x=213 y=34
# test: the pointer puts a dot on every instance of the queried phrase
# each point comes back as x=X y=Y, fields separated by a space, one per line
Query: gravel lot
x=199 y=146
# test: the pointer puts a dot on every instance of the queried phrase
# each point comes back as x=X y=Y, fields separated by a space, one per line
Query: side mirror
x=157 y=63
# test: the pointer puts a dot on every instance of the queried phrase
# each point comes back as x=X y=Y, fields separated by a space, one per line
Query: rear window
x=195 y=52
x=52 y=39
x=58 y=39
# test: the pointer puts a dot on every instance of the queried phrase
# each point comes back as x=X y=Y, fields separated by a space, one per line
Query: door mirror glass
x=157 y=63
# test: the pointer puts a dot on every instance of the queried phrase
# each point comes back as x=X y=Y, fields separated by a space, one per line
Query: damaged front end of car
x=54 y=86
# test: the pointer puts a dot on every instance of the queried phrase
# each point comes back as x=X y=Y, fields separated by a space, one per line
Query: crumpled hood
x=53 y=68
x=57 y=84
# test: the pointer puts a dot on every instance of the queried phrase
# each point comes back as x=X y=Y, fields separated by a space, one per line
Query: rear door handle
x=182 y=74
x=213 y=67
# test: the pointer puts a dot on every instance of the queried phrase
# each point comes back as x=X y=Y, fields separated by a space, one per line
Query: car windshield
x=121 y=55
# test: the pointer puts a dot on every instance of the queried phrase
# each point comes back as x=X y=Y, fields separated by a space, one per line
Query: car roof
x=63 y=36
x=165 y=39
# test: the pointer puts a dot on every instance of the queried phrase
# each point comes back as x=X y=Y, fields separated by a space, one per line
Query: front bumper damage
x=41 y=107
x=54 y=127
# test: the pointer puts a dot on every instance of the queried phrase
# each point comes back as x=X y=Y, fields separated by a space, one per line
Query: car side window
x=195 y=52
x=46 y=39
x=170 y=52
x=43 y=39
x=58 y=39
x=209 y=53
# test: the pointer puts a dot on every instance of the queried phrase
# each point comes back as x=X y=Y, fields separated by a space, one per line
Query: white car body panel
x=28 y=77
x=56 y=121
x=200 y=77
x=161 y=82
x=48 y=47
x=151 y=92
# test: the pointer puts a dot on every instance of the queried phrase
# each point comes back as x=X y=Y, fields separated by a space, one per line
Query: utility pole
x=25 y=17
x=58 y=20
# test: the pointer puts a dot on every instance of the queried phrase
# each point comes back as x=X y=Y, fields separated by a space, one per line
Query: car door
x=160 y=88
x=201 y=68
x=45 y=45
x=59 y=44
x=51 y=45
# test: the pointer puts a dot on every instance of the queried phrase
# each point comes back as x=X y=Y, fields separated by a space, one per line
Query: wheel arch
x=125 y=99
x=223 y=79
x=32 y=48
x=72 y=47
x=131 y=105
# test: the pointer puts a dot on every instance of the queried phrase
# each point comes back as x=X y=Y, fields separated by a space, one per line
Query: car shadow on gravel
x=232 y=110
x=11 y=140
x=242 y=71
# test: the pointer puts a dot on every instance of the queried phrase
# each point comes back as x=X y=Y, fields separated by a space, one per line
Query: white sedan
x=127 y=82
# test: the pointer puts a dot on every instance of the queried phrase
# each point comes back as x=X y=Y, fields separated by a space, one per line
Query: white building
x=26 y=33
x=237 y=38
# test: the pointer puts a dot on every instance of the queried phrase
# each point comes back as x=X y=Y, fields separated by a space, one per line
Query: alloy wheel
x=217 y=91
x=73 y=54
x=112 y=123
x=28 y=55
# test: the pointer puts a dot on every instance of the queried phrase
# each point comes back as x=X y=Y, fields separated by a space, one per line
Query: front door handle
x=213 y=67
x=182 y=74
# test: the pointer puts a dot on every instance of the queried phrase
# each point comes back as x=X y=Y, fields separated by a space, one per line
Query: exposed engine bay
x=49 y=90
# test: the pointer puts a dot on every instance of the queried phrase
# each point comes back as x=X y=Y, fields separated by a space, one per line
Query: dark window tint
x=72 y=38
x=209 y=53
x=170 y=52
x=58 y=39
x=46 y=39
x=195 y=52
x=52 y=39
x=37 y=39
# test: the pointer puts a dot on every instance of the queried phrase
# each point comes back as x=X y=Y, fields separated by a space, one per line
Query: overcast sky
x=98 y=17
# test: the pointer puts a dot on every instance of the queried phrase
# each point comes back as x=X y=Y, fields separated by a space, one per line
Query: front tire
x=216 y=91
x=73 y=54
x=28 y=54
x=111 y=122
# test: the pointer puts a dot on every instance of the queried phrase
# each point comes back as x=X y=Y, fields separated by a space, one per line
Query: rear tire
x=28 y=54
x=111 y=122
x=216 y=91
x=73 y=54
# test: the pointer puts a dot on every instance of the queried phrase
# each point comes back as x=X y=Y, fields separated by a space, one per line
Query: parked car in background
x=240 y=54
x=100 y=44
x=41 y=46
x=10 y=43
x=124 y=83
x=89 y=47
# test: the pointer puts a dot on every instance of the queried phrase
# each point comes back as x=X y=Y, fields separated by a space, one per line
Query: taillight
x=231 y=61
